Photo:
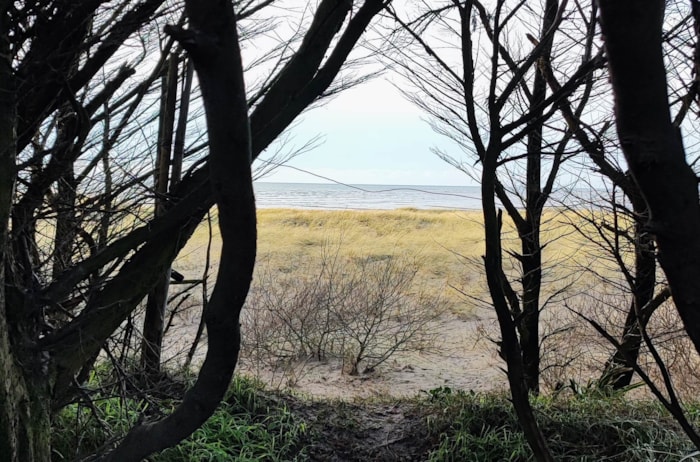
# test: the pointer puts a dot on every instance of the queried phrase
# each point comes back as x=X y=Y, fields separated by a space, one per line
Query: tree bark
x=25 y=425
x=619 y=369
x=530 y=258
x=157 y=301
x=653 y=147
x=510 y=347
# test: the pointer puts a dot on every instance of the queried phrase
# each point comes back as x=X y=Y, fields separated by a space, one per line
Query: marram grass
x=448 y=245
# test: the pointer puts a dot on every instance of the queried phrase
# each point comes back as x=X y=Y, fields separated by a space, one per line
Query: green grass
x=79 y=430
x=247 y=426
x=254 y=424
x=483 y=427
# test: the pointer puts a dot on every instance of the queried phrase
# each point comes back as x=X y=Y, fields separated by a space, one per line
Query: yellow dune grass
x=448 y=245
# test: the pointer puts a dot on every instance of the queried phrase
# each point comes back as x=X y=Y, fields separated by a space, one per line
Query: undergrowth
x=483 y=427
x=254 y=424
x=249 y=425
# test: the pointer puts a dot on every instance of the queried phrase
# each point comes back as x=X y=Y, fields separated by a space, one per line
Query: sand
x=466 y=361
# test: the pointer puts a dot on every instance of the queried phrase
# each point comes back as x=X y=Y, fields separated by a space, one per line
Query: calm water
x=358 y=197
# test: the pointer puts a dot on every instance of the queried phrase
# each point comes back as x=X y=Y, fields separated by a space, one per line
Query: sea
x=333 y=196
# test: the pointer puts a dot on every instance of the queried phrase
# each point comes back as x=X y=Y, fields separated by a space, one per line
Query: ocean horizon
x=335 y=196
x=339 y=196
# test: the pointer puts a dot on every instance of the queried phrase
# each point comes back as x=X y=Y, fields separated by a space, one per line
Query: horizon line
x=344 y=183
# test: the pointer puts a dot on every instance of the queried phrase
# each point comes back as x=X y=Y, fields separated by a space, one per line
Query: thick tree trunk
x=653 y=147
x=25 y=424
x=24 y=414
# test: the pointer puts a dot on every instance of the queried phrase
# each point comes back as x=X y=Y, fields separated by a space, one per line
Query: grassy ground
x=442 y=425
x=448 y=245
x=287 y=236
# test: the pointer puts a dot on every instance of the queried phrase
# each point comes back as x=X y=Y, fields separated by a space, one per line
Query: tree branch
x=214 y=49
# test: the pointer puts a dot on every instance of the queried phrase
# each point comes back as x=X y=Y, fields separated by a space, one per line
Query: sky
x=369 y=135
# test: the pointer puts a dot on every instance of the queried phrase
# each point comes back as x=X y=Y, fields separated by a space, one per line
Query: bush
x=362 y=310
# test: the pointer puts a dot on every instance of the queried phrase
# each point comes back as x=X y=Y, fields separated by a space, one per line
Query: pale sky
x=370 y=135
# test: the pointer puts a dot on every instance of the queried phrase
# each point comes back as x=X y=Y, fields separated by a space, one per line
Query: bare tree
x=156 y=304
x=517 y=123
x=490 y=96
x=212 y=43
x=653 y=146
x=622 y=225
x=58 y=114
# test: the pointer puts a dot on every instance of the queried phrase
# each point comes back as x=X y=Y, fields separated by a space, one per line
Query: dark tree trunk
x=216 y=57
x=156 y=304
x=510 y=346
x=24 y=409
x=529 y=229
x=653 y=147
x=619 y=369
x=180 y=132
x=66 y=222
x=64 y=201
x=154 y=326
x=528 y=323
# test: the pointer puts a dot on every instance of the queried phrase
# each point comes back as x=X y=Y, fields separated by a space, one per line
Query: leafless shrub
x=676 y=350
x=380 y=314
x=589 y=352
x=360 y=310
x=563 y=351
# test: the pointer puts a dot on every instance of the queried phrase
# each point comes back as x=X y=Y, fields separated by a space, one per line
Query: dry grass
x=449 y=246
x=286 y=236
